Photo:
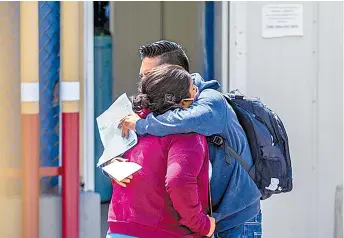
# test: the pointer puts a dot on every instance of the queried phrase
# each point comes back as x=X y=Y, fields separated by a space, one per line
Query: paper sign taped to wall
x=280 y=20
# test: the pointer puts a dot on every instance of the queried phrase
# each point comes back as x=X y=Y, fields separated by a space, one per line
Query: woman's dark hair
x=162 y=89
x=168 y=52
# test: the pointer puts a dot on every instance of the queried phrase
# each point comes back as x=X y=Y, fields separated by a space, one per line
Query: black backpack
x=268 y=141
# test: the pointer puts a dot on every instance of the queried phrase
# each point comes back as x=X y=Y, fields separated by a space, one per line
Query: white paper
x=121 y=170
x=110 y=135
x=281 y=20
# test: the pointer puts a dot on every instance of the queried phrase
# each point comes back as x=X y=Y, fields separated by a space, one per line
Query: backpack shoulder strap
x=250 y=171
x=231 y=151
x=219 y=141
x=237 y=157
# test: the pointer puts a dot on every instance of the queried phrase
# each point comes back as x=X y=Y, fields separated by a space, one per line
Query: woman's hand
x=125 y=181
x=128 y=123
x=212 y=226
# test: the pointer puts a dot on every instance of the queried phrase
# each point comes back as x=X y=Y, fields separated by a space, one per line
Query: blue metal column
x=49 y=66
x=102 y=100
x=209 y=40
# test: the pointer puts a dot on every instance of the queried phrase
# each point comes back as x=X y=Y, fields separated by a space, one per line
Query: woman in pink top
x=168 y=197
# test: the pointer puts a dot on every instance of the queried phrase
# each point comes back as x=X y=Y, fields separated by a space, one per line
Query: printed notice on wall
x=280 y=20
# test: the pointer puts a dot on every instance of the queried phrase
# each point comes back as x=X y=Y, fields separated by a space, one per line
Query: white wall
x=301 y=78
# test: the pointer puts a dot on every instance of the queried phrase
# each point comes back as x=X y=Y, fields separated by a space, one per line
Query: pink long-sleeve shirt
x=168 y=197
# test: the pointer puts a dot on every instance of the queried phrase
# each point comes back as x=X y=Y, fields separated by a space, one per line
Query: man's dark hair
x=168 y=52
x=162 y=89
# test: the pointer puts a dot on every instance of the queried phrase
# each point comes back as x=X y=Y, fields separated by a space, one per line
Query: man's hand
x=128 y=123
x=125 y=181
x=212 y=226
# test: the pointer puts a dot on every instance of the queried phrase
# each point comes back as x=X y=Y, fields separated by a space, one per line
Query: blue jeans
x=249 y=229
x=113 y=235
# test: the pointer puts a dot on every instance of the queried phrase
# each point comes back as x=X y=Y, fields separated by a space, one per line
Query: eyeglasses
x=187 y=101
